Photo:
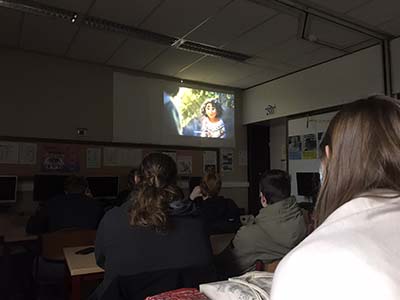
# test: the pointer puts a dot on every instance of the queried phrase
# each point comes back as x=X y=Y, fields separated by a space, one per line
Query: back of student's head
x=364 y=152
x=157 y=189
x=275 y=185
x=75 y=185
x=210 y=184
x=133 y=178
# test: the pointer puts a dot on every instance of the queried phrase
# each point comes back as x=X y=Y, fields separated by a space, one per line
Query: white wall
x=48 y=97
x=395 y=56
x=333 y=83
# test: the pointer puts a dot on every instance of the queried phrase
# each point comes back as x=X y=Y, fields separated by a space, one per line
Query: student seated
x=354 y=253
x=277 y=229
x=155 y=230
x=133 y=181
x=221 y=215
x=76 y=208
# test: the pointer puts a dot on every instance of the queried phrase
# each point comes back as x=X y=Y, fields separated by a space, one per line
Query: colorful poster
x=294 y=147
x=60 y=158
x=309 y=146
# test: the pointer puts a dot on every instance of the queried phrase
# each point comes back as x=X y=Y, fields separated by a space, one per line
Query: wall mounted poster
x=227 y=160
x=294 y=147
x=184 y=165
x=60 y=158
x=309 y=146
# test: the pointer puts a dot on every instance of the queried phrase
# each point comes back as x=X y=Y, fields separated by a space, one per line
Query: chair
x=49 y=266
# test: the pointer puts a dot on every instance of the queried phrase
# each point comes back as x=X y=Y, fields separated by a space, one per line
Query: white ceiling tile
x=334 y=34
x=177 y=17
x=238 y=17
x=130 y=12
x=135 y=54
x=289 y=49
x=392 y=26
x=73 y=5
x=340 y=6
x=273 y=32
x=315 y=57
x=217 y=70
x=10 y=21
x=172 y=61
x=47 y=34
x=376 y=12
x=94 y=45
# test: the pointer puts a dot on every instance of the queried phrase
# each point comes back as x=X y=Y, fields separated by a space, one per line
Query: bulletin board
x=304 y=137
x=26 y=157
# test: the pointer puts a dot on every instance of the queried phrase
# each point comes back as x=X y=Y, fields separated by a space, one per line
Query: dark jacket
x=66 y=211
x=122 y=249
x=277 y=229
x=221 y=215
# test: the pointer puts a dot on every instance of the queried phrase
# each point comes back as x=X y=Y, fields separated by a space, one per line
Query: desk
x=220 y=241
x=80 y=268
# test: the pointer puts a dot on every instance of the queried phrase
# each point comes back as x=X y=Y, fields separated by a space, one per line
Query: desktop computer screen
x=308 y=184
x=46 y=187
x=8 y=189
x=103 y=187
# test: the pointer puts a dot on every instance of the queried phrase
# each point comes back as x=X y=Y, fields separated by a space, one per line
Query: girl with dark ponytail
x=156 y=230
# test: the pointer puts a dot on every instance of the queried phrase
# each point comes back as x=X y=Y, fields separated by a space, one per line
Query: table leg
x=75 y=288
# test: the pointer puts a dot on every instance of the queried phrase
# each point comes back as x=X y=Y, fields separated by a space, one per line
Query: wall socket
x=81 y=131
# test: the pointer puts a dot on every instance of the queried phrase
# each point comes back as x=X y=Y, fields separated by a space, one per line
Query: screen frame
x=15 y=190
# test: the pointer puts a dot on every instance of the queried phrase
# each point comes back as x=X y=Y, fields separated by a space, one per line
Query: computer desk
x=80 y=268
x=12 y=229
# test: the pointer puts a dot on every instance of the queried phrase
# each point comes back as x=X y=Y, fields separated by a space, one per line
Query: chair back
x=53 y=243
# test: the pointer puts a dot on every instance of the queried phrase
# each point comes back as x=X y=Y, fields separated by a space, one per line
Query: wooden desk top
x=12 y=228
x=79 y=264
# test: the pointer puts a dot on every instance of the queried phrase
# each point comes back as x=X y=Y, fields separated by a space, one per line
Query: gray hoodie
x=277 y=229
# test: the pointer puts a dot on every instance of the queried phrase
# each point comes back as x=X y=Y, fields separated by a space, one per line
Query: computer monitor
x=103 y=187
x=46 y=187
x=308 y=184
x=8 y=189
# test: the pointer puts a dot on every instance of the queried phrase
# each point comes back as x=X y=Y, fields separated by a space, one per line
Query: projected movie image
x=201 y=113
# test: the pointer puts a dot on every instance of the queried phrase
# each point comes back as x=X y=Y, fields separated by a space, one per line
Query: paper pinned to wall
x=184 y=164
x=209 y=161
x=9 y=152
x=93 y=158
x=122 y=157
x=227 y=160
x=27 y=153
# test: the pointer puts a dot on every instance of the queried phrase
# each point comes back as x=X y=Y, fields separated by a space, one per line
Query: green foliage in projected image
x=191 y=101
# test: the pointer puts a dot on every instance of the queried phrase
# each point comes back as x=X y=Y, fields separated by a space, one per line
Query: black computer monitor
x=308 y=184
x=8 y=189
x=103 y=187
x=46 y=187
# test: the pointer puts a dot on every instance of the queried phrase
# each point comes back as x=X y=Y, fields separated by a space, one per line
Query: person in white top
x=355 y=251
x=212 y=126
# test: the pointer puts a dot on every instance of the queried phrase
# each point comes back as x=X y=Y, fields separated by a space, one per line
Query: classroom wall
x=395 y=57
x=49 y=97
x=333 y=83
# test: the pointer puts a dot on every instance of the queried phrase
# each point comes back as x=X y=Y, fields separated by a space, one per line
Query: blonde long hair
x=364 y=153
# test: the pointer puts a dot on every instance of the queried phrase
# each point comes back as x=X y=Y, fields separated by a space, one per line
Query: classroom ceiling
x=236 y=43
